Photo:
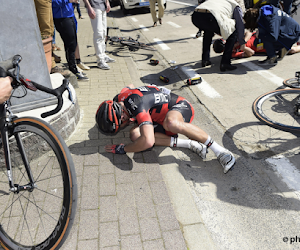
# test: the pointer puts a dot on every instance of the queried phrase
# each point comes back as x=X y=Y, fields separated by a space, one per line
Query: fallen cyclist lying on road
x=159 y=117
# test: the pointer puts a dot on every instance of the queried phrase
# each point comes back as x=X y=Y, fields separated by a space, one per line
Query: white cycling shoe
x=198 y=148
x=227 y=160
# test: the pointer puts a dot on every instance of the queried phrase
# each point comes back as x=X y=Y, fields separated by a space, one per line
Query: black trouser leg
x=226 y=57
x=207 y=39
x=67 y=30
x=207 y=23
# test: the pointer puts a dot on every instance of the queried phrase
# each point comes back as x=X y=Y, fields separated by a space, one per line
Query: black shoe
x=206 y=63
x=224 y=67
x=269 y=61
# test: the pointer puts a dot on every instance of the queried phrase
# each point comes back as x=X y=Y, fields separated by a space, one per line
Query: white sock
x=215 y=147
x=180 y=143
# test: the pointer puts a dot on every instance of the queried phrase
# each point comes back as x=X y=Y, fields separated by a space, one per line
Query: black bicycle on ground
x=38 y=187
x=131 y=43
x=280 y=108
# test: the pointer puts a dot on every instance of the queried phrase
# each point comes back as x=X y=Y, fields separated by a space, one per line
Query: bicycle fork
x=16 y=188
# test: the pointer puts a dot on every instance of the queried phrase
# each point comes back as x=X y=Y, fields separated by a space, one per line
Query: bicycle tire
x=41 y=218
x=292 y=82
x=138 y=45
x=275 y=107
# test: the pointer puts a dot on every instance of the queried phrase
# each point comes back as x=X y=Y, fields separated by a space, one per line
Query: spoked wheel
x=279 y=109
x=38 y=214
x=138 y=45
x=116 y=39
x=292 y=82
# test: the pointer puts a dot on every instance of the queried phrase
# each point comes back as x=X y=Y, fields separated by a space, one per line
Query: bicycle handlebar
x=18 y=79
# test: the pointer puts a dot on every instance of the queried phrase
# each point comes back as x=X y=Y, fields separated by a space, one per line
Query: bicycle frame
x=4 y=130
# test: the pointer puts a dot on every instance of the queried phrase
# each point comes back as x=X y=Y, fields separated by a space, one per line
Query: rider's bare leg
x=174 y=123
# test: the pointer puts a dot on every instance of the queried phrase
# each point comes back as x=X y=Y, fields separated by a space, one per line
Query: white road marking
x=143 y=27
x=204 y=87
x=188 y=4
x=161 y=44
x=134 y=19
x=174 y=24
x=287 y=172
x=263 y=72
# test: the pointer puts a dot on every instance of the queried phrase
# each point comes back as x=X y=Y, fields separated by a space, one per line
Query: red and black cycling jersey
x=148 y=104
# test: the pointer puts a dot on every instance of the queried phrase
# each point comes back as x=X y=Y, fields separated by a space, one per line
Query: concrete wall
x=20 y=34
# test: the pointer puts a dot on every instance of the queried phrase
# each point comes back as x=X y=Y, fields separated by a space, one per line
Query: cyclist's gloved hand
x=116 y=149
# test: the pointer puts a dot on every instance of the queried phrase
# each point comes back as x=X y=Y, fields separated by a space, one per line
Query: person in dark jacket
x=276 y=29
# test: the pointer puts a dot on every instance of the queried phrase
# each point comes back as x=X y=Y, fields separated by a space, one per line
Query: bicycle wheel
x=276 y=109
x=138 y=45
x=292 y=82
x=40 y=218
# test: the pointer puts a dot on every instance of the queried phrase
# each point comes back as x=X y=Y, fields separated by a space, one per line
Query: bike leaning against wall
x=38 y=186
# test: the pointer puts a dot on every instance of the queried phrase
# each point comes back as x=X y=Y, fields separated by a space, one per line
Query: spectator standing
x=77 y=6
x=97 y=10
x=63 y=17
x=45 y=20
x=223 y=17
x=153 y=11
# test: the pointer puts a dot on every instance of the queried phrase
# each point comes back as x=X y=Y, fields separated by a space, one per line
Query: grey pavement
x=133 y=201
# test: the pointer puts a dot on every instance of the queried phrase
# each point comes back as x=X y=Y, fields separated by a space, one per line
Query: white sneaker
x=198 y=148
x=81 y=77
x=227 y=160
x=109 y=60
x=80 y=70
x=103 y=65
x=83 y=66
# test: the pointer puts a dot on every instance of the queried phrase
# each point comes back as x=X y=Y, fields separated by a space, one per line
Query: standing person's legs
x=99 y=29
x=67 y=30
x=44 y=15
x=99 y=25
x=153 y=11
x=78 y=9
x=160 y=10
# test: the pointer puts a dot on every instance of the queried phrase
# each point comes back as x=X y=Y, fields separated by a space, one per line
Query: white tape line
x=263 y=72
x=174 y=25
x=286 y=171
x=143 y=27
x=188 y=4
x=204 y=87
x=134 y=19
x=161 y=44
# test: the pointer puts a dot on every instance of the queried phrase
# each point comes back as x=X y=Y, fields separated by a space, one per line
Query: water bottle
x=194 y=80
x=154 y=61
x=164 y=78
